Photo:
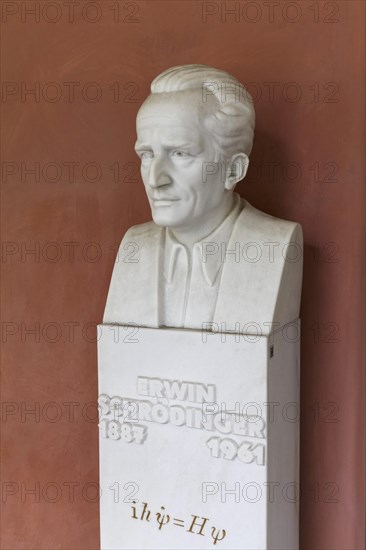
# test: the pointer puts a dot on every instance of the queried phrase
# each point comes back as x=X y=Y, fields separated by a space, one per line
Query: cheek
x=197 y=198
x=144 y=174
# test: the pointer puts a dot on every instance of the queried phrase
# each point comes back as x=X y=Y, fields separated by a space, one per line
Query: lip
x=163 y=202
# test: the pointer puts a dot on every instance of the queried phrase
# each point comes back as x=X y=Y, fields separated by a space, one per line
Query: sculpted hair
x=232 y=124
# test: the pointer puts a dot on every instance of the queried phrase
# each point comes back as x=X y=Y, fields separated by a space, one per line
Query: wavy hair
x=232 y=123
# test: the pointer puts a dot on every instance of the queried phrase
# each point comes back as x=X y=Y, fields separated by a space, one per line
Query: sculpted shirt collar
x=209 y=248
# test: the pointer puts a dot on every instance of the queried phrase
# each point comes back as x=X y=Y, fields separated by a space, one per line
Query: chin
x=165 y=221
x=162 y=217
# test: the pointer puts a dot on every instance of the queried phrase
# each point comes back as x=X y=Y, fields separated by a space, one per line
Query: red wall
x=303 y=63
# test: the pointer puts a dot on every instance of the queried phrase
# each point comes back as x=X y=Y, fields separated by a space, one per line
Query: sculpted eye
x=146 y=155
x=180 y=154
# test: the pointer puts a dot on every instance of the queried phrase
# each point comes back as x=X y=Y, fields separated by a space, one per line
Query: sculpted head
x=194 y=136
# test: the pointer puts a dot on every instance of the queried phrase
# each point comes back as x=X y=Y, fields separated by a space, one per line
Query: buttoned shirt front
x=191 y=279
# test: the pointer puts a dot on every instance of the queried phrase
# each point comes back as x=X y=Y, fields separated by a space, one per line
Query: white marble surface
x=240 y=272
x=211 y=262
x=172 y=375
x=253 y=296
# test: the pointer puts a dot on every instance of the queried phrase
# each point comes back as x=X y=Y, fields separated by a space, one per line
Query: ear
x=236 y=170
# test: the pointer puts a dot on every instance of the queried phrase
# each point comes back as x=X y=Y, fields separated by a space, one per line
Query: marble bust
x=208 y=258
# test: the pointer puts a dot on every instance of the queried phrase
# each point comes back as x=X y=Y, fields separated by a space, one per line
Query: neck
x=194 y=233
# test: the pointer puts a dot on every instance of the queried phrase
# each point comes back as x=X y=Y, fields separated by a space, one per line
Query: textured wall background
x=89 y=65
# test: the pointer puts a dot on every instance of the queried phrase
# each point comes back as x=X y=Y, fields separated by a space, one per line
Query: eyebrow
x=177 y=145
x=140 y=145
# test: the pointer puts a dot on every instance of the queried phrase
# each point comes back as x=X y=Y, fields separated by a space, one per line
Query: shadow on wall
x=275 y=177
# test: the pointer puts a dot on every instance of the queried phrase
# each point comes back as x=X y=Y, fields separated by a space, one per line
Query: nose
x=158 y=173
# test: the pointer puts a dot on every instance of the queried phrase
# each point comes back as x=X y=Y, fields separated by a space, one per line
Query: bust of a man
x=208 y=258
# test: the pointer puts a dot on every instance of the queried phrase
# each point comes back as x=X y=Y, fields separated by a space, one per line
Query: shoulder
x=261 y=281
x=142 y=231
x=140 y=242
x=267 y=227
x=142 y=236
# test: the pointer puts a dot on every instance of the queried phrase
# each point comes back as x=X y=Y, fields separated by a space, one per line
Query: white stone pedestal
x=199 y=445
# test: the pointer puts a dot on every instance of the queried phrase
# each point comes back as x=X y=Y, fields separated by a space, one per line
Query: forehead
x=183 y=110
x=167 y=130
